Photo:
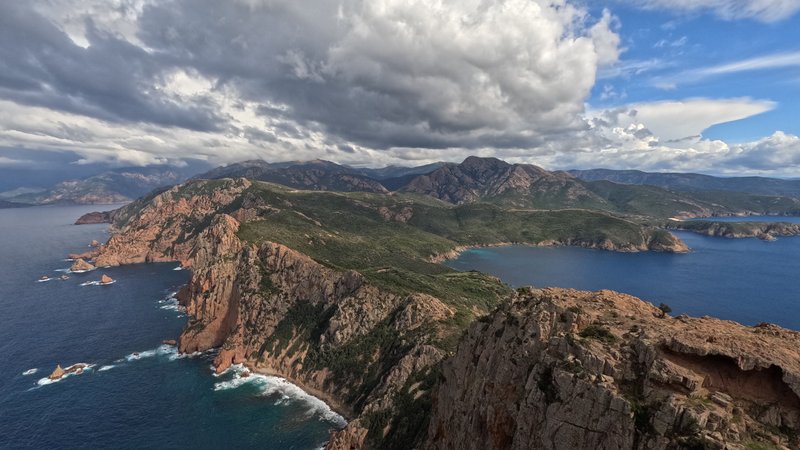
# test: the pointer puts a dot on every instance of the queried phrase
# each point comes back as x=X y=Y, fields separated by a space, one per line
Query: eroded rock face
x=164 y=228
x=563 y=369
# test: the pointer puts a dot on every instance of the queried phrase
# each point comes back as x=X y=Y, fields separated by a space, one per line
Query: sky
x=709 y=86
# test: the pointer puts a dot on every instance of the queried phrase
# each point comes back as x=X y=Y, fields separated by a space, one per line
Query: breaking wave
x=281 y=388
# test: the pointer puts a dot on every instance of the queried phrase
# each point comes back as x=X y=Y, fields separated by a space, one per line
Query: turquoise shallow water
x=126 y=401
x=747 y=280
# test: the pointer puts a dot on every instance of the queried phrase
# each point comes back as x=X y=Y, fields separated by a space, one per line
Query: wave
x=97 y=283
x=286 y=392
x=30 y=372
x=178 y=268
x=45 y=280
x=107 y=367
x=170 y=351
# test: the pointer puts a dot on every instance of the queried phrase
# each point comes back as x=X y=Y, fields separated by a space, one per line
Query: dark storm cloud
x=112 y=79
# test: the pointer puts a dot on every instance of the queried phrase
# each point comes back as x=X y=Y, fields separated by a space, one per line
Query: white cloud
x=678 y=120
x=761 y=10
x=765 y=62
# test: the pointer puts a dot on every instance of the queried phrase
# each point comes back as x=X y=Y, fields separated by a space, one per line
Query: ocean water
x=138 y=393
x=746 y=280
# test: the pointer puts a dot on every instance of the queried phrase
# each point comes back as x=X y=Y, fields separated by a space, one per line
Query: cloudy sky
x=681 y=85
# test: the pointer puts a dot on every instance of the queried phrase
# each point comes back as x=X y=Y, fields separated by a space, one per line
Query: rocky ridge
x=279 y=312
x=737 y=230
x=375 y=355
x=564 y=369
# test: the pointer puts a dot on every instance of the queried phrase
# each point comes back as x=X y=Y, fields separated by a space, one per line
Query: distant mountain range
x=114 y=186
x=487 y=180
x=693 y=182
x=524 y=186
x=5 y=205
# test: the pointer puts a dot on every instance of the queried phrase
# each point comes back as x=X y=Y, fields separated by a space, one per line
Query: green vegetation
x=599 y=333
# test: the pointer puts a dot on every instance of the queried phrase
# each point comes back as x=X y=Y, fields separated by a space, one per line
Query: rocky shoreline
x=377 y=356
x=738 y=230
x=677 y=246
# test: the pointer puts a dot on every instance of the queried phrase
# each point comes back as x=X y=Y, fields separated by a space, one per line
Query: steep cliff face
x=279 y=312
x=563 y=369
x=163 y=228
x=552 y=369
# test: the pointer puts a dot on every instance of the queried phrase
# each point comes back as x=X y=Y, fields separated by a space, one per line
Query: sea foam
x=30 y=372
x=286 y=392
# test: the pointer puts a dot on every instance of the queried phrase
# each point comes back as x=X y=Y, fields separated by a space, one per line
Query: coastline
x=455 y=252
x=335 y=406
x=325 y=397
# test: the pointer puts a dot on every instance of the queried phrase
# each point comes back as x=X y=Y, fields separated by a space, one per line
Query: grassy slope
x=651 y=201
x=346 y=231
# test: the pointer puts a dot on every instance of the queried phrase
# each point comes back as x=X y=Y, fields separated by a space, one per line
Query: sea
x=137 y=392
x=746 y=280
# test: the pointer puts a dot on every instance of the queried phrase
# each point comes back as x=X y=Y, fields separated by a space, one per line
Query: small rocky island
x=60 y=373
x=80 y=265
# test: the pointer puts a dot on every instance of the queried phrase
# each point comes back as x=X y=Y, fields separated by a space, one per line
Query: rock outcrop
x=80 y=265
x=563 y=369
x=57 y=373
x=96 y=217
x=105 y=279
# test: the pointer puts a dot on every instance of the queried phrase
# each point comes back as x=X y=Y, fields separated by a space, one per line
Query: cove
x=746 y=280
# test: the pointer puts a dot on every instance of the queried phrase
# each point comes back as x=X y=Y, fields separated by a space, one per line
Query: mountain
x=341 y=294
x=114 y=186
x=527 y=186
x=316 y=175
x=5 y=205
x=692 y=182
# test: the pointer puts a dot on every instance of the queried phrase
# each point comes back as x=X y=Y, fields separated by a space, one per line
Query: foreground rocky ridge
x=564 y=369
x=376 y=353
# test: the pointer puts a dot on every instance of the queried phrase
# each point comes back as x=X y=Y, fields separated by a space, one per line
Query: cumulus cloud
x=762 y=10
x=378 y=74
x=366 y=82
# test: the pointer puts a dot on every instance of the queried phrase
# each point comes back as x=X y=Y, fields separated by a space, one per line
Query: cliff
x=336 y=293
x=564 y=369
x=365 y=349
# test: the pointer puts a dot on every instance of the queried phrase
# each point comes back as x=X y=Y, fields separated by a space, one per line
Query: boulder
x=105 y=279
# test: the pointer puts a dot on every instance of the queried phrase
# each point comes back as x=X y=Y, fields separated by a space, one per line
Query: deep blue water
x=155 y=401
x=747 y=280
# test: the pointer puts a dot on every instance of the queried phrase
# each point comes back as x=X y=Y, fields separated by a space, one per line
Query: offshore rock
x=79 y=265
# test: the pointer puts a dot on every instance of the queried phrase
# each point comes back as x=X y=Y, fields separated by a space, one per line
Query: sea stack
x=105 y=279
x=57 y=373
x=80 y=266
